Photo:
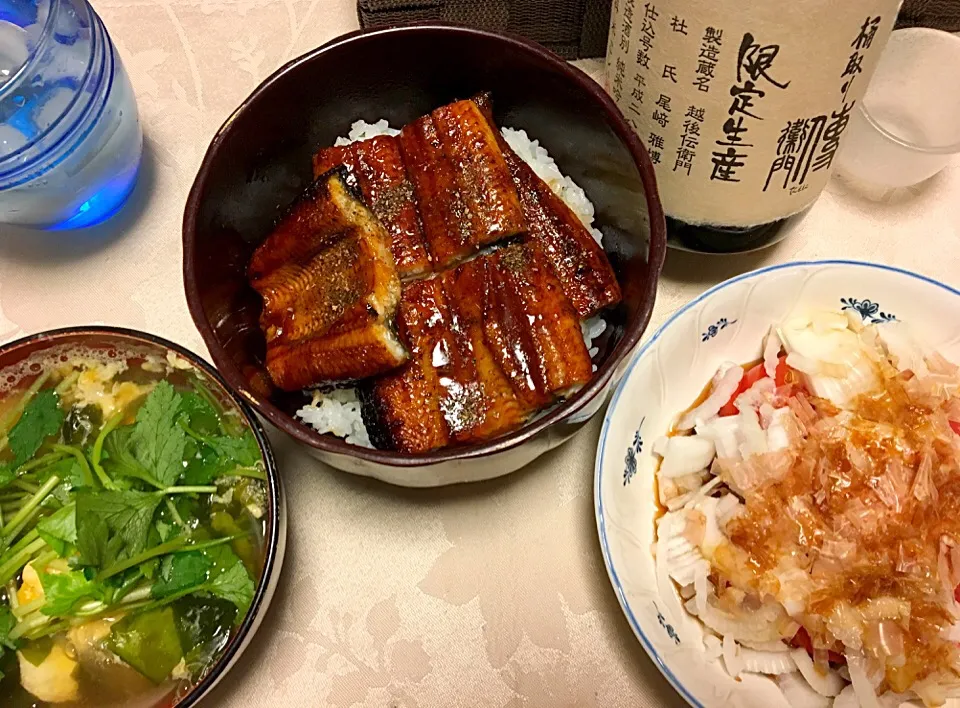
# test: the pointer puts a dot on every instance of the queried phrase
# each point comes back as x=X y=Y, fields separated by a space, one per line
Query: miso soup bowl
x=122 y=343
x=260 y=160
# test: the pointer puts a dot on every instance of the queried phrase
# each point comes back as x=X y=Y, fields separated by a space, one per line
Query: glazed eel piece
x=491 y=342
x=532 y=327
x=453 y=389
x=378 y=168
x=402 y=409
x=329 y=288
x=464 y=190
x=579 y=262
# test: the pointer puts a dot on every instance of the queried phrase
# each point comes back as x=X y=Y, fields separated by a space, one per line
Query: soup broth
x=132 y=502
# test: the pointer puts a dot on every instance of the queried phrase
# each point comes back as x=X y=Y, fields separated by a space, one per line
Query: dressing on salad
x=813 y=514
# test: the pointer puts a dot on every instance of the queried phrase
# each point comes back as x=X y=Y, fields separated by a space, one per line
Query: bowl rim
x=611 y=412
x=328 y=443
x=275 y=507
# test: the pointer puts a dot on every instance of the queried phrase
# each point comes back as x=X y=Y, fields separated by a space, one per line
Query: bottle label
x=743 y=105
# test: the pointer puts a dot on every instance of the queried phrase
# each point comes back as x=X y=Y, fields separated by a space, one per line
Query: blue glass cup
x=70 y=140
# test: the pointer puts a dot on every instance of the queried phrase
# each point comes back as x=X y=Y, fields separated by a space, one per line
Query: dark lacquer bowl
x=130 y=342
x=260 y=160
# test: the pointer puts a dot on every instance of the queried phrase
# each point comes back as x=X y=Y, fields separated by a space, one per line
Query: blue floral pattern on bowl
x=714 y=329
x=630 y=461
x=667 y=627
x=868 y=310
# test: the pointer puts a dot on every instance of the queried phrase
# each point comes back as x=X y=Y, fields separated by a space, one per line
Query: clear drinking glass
x=70 y=141
x=907 y=127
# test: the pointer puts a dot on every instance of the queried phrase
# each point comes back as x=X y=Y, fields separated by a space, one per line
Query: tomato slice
x=749 y=379
x=955 y=426
x=784 y=374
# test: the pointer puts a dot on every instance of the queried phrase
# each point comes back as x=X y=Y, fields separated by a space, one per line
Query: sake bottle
x=742 y=104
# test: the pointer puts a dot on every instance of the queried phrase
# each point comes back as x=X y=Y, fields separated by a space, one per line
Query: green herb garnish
x=141 y=513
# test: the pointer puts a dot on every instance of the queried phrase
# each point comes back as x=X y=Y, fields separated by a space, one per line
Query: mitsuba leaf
x=109 y=523
x=229 y=579
x=7 y=623
x=67 y=469
x=179 y=572
x=40 y=419
x=242 y=451
x=120 y=460
x=203 y=466
x=200 y=414
x=59 y=529
x=158 y=441
x=62 y=591
x=93 y=536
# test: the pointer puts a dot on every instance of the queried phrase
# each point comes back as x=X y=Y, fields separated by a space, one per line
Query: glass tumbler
x=907 y=128
x=70 y=141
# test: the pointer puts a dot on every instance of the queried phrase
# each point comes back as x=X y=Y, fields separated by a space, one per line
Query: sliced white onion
x=847 y=698
x=862 y=685
x=952 y=633
x=724 y=386
x=824 y=321
x=831 y=358
x=933 y=691
x=757 y=626
x=777 y=436
x=771 y=353
x=754 y=439
x=713 y=647
x=798 y=692
x=828 y=684
x=725 y=435
x=706 y=489
x=686 y=454
x=702 y=588
x=728 y=507
x=902 y=349
x=772 y=663
x=660 y=445
x=712 y=534
x=803 y=364
x=677 y=558
x=777 y=645
x=854 y=321
x=730 y=657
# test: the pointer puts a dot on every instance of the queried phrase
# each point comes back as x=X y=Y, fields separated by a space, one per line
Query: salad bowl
x=667 y=374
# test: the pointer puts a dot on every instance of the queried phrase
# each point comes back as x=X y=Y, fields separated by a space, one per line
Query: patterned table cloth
x=487 y=595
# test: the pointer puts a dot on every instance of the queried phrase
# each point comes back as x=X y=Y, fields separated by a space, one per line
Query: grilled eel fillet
x=478 y=401
x=330 y=290
x=402 y=409
x=491 y=342
x=378 y=167
x=578 y=261
x=465 y=193
x=452 y=389
x=532 y=328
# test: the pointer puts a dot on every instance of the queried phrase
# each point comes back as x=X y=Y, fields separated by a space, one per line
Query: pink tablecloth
x=489 y=595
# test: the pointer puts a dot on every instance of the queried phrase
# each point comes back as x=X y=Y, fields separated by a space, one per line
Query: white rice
x=361 y=130
x=338 y=412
